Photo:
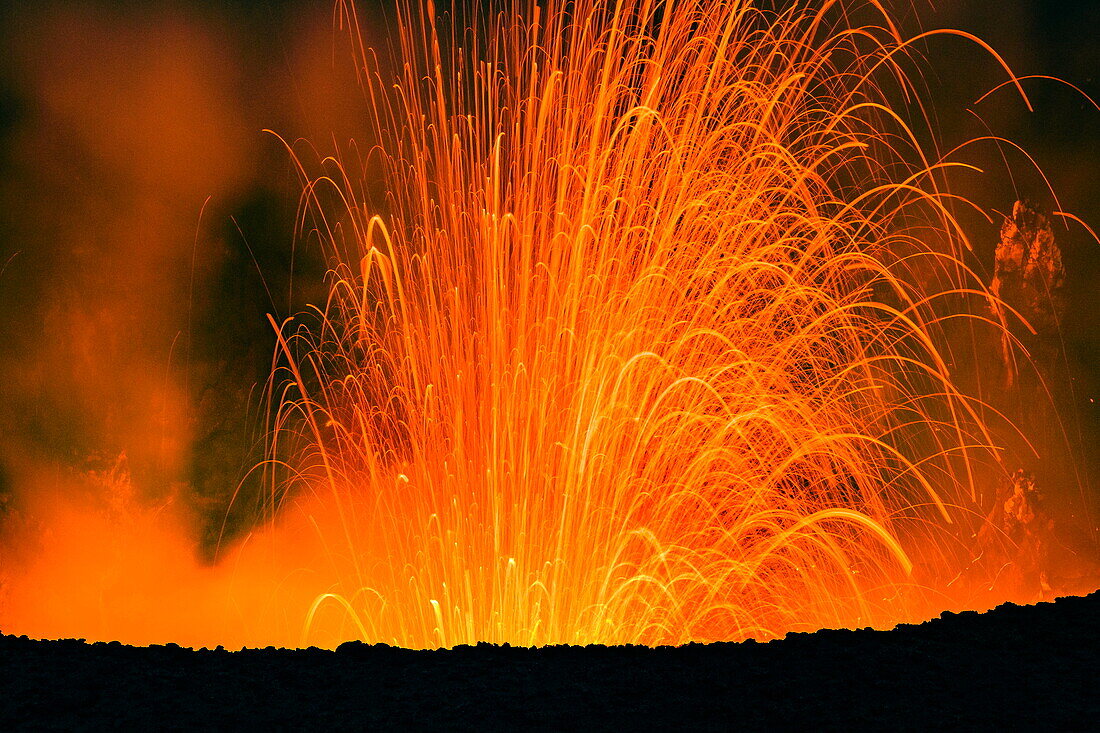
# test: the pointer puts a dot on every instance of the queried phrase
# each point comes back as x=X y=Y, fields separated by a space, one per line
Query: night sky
x=147 y=224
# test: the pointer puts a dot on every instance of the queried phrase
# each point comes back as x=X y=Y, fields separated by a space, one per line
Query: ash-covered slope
x=1033 y=666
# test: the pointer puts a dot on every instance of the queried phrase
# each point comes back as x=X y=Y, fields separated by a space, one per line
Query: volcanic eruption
x=665 y=325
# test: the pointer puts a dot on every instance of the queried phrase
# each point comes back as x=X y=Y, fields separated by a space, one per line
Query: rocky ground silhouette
x=1022 y=666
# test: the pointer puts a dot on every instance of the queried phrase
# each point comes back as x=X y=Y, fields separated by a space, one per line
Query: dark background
x=147 y=223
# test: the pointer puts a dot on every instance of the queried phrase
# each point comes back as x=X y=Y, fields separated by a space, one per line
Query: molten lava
x=649 y=341
x=643 y=348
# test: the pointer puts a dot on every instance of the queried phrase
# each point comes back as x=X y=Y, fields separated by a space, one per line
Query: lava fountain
x=646 y=342
x=658 y=334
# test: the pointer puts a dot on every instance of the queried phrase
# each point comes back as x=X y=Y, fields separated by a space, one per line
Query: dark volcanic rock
x=1028 y=667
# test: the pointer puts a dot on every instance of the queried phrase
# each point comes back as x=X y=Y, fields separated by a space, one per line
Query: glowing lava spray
x=646 y=342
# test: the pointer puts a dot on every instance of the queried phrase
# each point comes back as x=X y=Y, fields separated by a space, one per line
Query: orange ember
x=650 y=341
